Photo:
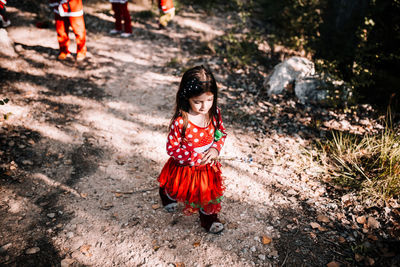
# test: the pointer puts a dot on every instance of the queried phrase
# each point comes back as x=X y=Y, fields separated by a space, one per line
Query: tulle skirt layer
x=196 y=186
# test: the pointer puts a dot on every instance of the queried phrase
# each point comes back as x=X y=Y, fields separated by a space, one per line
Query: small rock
x=373 y=223
x=333 y=264
x=67 y=262
x=273 y=254
x=292 y=192
x=315 y=225
x=369 y=261
x=261 y=257
x=5 y=247
x=232 y=225
x=70 y=235
x=33 y=250
x=358 y=257
x=253 y=249
x=361 y=220
x=351 y=239
x=323 y=218
x=27 y=162
x=51 y=215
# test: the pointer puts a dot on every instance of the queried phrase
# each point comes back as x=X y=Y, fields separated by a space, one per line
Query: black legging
x=3 y=13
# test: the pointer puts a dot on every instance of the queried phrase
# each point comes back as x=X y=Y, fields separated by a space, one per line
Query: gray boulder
x=288 y=72
x=310 y=90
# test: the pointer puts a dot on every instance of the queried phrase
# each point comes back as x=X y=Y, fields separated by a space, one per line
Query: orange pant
x=78 y=27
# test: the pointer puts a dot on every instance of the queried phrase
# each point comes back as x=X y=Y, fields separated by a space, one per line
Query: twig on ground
x=133 y=191
x=284 y=261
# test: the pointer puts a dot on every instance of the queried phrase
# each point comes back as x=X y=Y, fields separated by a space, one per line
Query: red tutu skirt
x=196 y=186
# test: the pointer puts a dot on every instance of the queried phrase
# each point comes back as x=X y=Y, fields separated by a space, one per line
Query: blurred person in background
x=120 y=8
x=167 y=12
x=69 y=13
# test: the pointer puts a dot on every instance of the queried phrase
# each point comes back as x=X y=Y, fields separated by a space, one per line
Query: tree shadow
x=26 y=153
x=57 y=85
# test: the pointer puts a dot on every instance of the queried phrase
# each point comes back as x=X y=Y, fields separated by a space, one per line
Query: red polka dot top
x=188 y=151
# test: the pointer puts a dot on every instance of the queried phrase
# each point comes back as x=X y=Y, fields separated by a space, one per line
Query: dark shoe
x=211 y=223
x=6 y=23
x=170 y=205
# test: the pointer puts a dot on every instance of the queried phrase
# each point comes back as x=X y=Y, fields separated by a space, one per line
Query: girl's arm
x=177 y=149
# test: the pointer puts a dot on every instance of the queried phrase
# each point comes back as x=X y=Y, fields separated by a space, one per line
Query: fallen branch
x=132 y=191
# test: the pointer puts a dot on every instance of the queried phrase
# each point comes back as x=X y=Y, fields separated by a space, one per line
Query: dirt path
x=87 y=143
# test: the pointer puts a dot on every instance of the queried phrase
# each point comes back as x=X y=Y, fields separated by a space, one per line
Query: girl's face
x=201 y=104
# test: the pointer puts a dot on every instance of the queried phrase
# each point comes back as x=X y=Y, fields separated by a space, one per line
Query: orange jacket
x=67 y=8
x=166 y=5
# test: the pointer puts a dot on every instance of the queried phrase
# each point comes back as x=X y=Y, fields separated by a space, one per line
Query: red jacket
x=3 y=3
x=67 y=8
x=166 y=5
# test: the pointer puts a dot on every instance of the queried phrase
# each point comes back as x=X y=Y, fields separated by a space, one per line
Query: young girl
x=5 y=22
x=120 y=8
x=192 y=174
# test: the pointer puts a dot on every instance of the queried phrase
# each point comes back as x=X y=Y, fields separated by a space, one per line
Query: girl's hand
x=209 y=156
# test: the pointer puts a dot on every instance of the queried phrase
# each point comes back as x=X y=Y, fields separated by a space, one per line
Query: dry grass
x=368 y=164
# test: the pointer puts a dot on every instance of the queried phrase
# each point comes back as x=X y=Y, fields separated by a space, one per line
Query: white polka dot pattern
x=182 y=149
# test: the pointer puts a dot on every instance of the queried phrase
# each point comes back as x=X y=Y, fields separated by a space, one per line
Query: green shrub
x=240 y=49
x=357 y=41
x=210 y=4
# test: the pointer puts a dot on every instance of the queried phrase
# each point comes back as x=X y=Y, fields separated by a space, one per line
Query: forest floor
x=82 y=149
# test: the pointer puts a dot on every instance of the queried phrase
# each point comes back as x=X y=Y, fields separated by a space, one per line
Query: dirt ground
x=81 y=152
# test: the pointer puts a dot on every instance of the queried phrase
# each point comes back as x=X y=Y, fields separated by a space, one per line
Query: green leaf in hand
x=218 y=134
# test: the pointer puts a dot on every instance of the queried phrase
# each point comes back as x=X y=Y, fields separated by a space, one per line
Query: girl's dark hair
x=195 y=81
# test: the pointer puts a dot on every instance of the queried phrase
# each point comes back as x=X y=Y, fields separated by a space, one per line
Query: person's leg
x=168 y=203
x=117 y=15
x=210 y=222
x=166 y=18
x=78 y=26
x=127 y=18
x=4 y=18
x=62 y=28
